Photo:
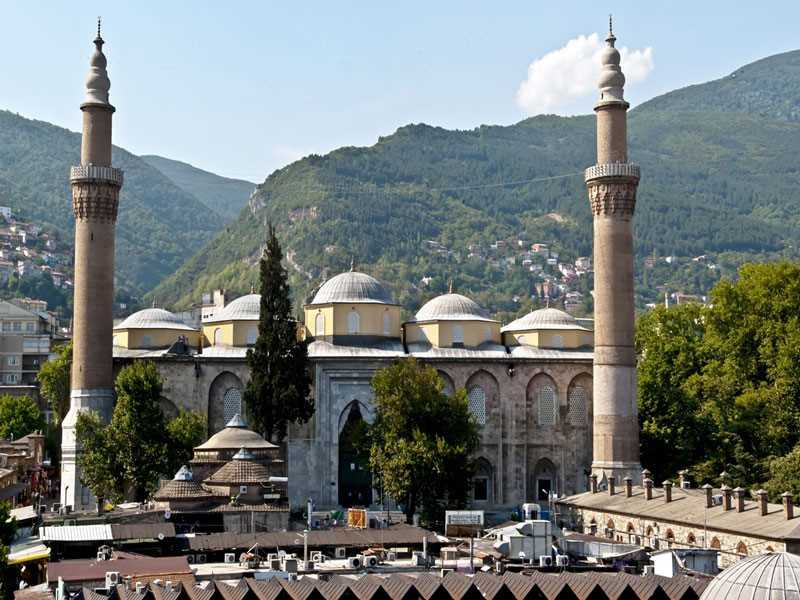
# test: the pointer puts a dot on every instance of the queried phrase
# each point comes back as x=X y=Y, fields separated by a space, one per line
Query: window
x=12 y=361
x=691 y=539
x=521 y=340
x=576 y=405
x=319 y=325
x=481 y=489
x=715 y=543
x=147 y=341
x=29 y=327
x=670 y=538
x=387 y=323
x=547 y=405
x=557 y=341
x=252 y=335
x=458 y=335
x=231 y=403
x=741 y=548
x=353 y=323
x=115 y=340
x=17 y=326
x=476 y=399
x=218 y=336
x=6 y=326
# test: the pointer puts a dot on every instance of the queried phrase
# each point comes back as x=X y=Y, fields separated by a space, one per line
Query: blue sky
x=243 y=88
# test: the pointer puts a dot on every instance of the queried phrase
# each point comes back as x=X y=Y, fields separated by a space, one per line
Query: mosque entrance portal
x=355 y=478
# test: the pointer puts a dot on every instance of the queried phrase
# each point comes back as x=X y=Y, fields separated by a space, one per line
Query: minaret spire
x=612 y=183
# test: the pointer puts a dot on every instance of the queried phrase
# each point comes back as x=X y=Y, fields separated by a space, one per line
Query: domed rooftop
x=451 y=307
x=772 y=575
x=352 y=287
x=544 y=318
x=242 y=470
x=181 y=487
x=245 y=308
x=235 y=436
x=154 y=318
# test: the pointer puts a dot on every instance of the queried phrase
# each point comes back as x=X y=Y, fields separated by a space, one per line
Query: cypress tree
x=278 y=391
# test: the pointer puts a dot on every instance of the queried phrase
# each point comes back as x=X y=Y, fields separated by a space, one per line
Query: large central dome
x=451 y=307
x=768 y=576
x=352 y=287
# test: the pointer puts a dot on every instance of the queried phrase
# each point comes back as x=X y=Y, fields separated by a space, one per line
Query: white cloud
x=560 y=77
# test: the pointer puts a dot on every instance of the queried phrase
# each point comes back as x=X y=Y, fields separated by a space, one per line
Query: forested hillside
x=159 y=226
x=718 y=177
x=223 y=195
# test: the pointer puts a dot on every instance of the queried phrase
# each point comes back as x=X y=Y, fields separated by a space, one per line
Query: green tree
x=185 y=432
x=54 y=381
x=669 y=344
x=8 y=527
x=19 y=416
x=278 y=392
x=421 y=439
x=133 y=448
x=784 y=475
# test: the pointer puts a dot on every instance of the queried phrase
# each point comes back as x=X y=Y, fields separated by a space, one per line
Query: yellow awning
x=37 y=552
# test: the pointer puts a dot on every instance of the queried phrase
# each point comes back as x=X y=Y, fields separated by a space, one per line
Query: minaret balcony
x=96 y=173
x=627 y=170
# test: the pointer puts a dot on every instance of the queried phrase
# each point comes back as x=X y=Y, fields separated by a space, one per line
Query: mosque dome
x=181 y=487
x=245 y=308
x=242 y=470
x=352 y=287
x=235 y=436
x=451 y=307
x=544 y=318
x=153 y=318
x=772 y=575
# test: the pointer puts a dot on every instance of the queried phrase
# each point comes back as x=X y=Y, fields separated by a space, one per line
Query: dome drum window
x=476 y=399
x=319 y=325
x=353 y=322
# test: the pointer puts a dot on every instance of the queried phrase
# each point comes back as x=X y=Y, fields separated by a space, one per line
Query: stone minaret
x=612 y=184
x=95 y=193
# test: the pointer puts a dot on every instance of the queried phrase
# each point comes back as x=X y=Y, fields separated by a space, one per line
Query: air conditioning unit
x=201 y=559
x=243 y=489
x=391 y=556
x=446 y=572
x=546 y=560
x=354 y=562
x=112 y=579
x=230 y=557
x=499 y=567
x=371 y=561
x=290 y=565
x=275 y=564
x=317 y=557
x=649 y=570
x=418 y=559
x=562 y=560
x=340 y=552
x=190 y=559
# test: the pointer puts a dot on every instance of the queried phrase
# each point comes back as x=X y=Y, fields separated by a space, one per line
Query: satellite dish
x=160 y=537
x=167 y=514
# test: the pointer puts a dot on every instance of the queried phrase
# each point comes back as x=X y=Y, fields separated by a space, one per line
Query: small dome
x=451 y=307
x=153 y=318
x=352 y=287
x=769 y=575
x=245 y=308
x=544 y=318
x=240 y=472
x=235 y=436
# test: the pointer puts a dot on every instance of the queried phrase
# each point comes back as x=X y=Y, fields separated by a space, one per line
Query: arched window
x=231 y=403
x=670 y=538
x=147 y=341
x=770 y=549
x=477 y=404
x=610 y=529
x=387 y=323
x=319 y=325
x=218 y=336
x=691 y=539
x=741 y=548
x=576 y=405
x=557 y=341
x=487 y=333
x=458 y=335
x=353 y=322
x=252 y=335
x=547 y=405
x=715 y=543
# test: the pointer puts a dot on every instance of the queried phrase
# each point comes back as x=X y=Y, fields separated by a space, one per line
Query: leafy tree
x=19 y=416
x=278 y=391
x=185 y=432
x=421 y=439
x=8 y=528
x=133 y=449
x=54 y=381
x=784 y=475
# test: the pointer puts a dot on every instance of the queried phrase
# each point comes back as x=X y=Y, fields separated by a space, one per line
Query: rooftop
x=245 y=308
x=545 y=318
x=352 y=286
x=235 y=436
x=153 y=318
x=773 y=575
x=452 y=307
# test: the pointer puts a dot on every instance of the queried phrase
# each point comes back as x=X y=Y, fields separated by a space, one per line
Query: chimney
x=648 y=489
x=709 y=490
x=645 y=476
x=667 y=490
x=594 y=483
x=611 y=485
x=139 y=588
x=726 y=496
x=762 y=501
x=628 y=487
x=683 y=479
x=738 y=493
x=788 y=505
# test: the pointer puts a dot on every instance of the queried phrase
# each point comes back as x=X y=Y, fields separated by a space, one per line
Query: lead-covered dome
x=236 y=435
x=153 y=318
x=352 y=287
x=245 y=308
x=451 y=307
x=772 y=575
x=544 y=318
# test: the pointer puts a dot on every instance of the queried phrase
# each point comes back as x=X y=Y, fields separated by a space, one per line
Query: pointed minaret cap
x=612 y=81
x=237 y=421
x=97 y=81
x=244 y=454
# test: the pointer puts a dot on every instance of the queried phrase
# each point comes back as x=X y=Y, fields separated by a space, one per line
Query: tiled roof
x=239 y=472
x=175 y=489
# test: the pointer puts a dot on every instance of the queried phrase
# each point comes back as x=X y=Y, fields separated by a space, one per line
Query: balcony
x=612 y=170
x=95 y=173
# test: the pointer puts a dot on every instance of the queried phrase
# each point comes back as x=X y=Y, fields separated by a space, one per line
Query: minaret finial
x=154 y=302
x=612 y=81
x=352 y=264
x=97 y=82
x=252 y=288
x=450 y=287
x=98 y=29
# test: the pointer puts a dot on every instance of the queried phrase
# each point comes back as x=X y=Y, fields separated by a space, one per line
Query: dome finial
x=97 y=82
x=611 y=39
x=252 y=288
x=154 y=302
x=450 y=287
x=352 y=264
